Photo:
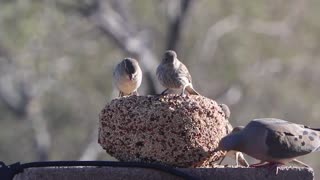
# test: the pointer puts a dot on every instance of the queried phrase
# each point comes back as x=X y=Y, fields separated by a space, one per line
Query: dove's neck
x=232 y=142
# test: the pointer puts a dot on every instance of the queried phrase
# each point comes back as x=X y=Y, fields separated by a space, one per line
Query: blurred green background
x=56 y=59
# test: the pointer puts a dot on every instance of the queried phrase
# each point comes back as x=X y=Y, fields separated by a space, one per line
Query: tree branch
x=13 y=92
x=114 y=25
x=93 y=149
x=176 y=22
x=42 y=136
x=215 y=33
x=282 y=28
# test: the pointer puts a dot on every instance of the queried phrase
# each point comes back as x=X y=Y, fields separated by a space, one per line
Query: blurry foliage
x=259 y=69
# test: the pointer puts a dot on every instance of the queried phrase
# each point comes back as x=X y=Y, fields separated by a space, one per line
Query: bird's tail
x=316 y=129
x=317 y=149
x=191 y=90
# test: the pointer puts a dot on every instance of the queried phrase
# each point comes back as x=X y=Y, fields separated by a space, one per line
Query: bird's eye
x=168 y=59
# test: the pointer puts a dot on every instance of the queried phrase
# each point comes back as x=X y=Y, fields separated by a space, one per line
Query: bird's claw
x=164 y=92
x=271 y=166
x=183 y=95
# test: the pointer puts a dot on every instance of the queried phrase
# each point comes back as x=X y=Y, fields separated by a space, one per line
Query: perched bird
x=226 y=111
x=173 y=74
x=273 y=141
x=127 y=77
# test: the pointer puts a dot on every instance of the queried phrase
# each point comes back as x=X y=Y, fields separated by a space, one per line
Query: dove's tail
x=317 y=149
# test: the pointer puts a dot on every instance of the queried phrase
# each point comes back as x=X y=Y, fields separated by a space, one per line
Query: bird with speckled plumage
x=127 y=77
x=173 y=74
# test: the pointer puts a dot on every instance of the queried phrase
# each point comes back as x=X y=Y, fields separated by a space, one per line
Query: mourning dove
x=273 y=141
x=238 y=156
x=127 y=77
x=173 y=74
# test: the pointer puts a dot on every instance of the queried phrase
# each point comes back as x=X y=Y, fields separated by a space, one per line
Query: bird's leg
x=261 y=163
x=270 y=165
x=273 y=166
x=297 y=162
x=183 y=93
x=135 y=93
x=120 y=94
x=163 y=92
x=222 y=160
x=240 y=159
x=237 y=158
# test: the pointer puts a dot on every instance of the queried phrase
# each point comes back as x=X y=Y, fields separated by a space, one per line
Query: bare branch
x=215 y=32
x=14 y=96
x=41 y=132
x=177 y=16
x=114 y=20
x=21 y=90
x=126 y=36
x=93 y=149
x=13 y=92
x=282 y=28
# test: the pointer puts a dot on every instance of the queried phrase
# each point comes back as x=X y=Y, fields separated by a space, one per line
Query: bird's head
x=169 y=56
x=237 y=129
x=232 y=141
x=130 y=66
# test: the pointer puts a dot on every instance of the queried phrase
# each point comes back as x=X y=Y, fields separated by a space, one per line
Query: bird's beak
x=132 y=76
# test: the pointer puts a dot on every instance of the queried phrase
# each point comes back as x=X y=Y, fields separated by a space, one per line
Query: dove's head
x=237 y=129
x=130 y=66
x=169 y=56
x=231 y=141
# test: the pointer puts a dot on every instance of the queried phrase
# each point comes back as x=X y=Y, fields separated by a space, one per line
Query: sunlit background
x=56 y=59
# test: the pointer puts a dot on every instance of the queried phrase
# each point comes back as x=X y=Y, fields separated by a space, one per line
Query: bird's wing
x=184 y=73
x=115 y=73
x=287 y=140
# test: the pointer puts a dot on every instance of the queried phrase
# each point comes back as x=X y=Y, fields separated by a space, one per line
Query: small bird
x=273 y=141
x=173 y=74
x=226 y=111
x=127 y=77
